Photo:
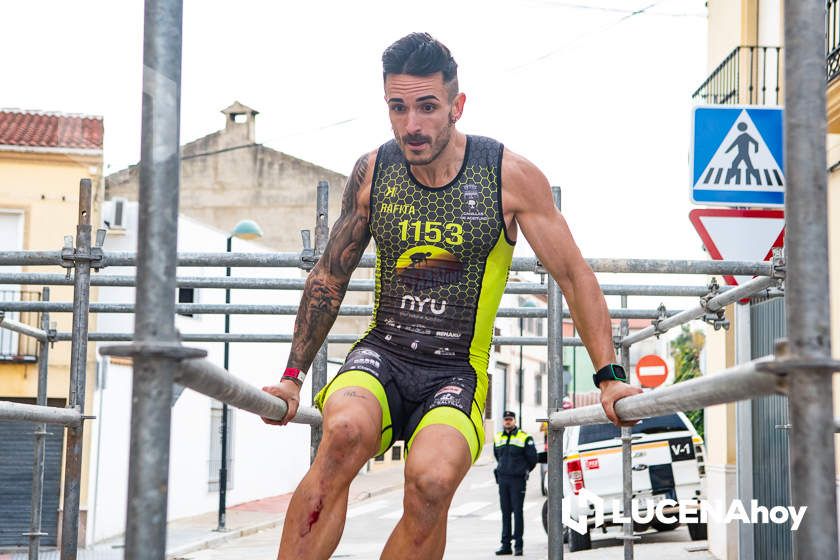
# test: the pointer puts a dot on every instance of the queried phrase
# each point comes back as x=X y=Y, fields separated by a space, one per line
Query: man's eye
x=398 y=108
x=429 y=107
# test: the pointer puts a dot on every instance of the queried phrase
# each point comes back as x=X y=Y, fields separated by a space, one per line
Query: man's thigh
x=353 y=410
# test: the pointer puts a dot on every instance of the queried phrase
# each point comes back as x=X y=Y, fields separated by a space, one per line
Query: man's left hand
x=611 y=391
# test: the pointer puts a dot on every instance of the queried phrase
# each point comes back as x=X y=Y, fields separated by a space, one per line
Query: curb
x=213 y=542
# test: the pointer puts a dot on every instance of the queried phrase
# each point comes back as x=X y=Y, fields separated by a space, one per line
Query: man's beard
x=435 y=147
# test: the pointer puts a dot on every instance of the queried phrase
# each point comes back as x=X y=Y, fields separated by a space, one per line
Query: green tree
x=685 y=349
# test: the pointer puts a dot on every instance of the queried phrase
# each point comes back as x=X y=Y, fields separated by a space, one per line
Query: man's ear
x=458 y=105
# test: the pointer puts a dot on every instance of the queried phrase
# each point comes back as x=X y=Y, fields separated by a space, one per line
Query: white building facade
x=263 y=460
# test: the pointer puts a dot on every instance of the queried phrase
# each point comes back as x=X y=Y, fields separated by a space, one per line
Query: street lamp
x=245 y=229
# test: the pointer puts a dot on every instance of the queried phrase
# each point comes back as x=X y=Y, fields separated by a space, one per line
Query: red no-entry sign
x=651 y=370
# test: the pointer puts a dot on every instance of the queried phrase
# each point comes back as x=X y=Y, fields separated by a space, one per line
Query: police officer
x=517 y=456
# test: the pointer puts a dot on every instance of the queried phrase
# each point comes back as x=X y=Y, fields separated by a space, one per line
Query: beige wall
x=725 y=21
x=45 y=187
x=720 y=438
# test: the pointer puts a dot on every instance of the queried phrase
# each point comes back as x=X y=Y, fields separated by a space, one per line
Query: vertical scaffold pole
x=627 y=450
x=807 y=285
x=35 y=533
x=319 y=365
x=154 y=326
x=78 y=372
x=555 y=395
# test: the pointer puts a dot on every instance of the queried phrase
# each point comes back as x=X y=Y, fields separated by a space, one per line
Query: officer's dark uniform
x=516 y=455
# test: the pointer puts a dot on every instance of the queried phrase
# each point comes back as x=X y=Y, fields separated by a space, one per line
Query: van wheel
x=545 y=522
x=640 y=527
x=659 y=526
x=697 y=531
x=578 y=541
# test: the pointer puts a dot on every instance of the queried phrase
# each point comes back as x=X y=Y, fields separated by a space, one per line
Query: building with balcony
x=43 y=156
x=748 y=458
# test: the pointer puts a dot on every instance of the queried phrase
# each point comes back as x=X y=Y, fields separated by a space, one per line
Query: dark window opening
x=186 y=295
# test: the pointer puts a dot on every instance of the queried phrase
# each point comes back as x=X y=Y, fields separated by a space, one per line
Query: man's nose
x=412 y=124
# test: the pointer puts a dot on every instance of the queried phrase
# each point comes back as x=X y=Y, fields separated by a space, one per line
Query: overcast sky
x=598 y=96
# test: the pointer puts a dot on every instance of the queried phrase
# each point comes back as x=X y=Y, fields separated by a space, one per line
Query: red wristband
x=295 y=375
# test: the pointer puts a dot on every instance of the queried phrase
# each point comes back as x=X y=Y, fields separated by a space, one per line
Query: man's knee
x=349 y=434
x=434 y=486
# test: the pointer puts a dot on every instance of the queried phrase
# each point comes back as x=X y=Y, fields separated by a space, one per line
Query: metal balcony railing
x=832 y=40
x=748 y=75
x=13 y=347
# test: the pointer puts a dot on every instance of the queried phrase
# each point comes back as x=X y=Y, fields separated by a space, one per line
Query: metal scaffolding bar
x=154 y=326
x=285 y=338
x=556 y=391
x=270 y=309
x=319 y=365
x=209 y=379
x=78 y=375
x=22 y=328
x=744 y=381
x=37 y=502
x=519 y=264
x=626 y=452
x=221 y=282
x=807 y=305
x=42 y=414
x=713 y=305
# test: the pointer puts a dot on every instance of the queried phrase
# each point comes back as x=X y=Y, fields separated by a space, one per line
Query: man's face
x=509 y=422
x=422 y=115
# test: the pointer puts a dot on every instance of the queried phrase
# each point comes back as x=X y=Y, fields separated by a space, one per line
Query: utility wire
x=577 y=39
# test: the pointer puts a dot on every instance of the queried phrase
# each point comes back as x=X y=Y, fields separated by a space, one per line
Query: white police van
x=668 y=462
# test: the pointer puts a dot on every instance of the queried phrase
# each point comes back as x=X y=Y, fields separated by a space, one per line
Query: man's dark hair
x=420 y=54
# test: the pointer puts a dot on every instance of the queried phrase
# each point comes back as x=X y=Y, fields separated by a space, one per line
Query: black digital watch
x=610 y=372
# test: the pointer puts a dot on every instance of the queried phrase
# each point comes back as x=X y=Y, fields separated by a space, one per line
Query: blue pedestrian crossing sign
x=736 y=156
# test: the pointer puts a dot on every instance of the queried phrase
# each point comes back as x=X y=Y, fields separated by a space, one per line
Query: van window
x=655 y=425
x=598 y=432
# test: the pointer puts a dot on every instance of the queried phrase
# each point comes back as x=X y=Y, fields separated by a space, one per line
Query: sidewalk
x=196 y=533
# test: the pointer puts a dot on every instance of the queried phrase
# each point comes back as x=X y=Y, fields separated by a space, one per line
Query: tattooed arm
x=327 y=281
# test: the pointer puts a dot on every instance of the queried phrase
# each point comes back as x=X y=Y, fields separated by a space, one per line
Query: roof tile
x=50 y=130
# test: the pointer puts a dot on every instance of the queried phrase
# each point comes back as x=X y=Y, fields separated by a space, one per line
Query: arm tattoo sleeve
x=327 y=282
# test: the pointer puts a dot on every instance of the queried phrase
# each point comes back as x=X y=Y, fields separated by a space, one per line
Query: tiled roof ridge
x=41 y=113
x=50 y=130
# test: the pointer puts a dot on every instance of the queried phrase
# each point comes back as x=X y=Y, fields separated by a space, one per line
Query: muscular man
x=419 y=373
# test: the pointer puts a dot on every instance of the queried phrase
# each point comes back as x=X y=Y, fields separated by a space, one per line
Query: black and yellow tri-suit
x=442 y=261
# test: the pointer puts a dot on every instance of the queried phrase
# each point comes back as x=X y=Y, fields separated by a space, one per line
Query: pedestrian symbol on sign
x=737 y=156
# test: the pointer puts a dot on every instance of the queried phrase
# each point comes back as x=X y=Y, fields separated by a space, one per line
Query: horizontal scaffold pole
x=519 y=264
x=22 y=328
x=714 y=304
x=745 y=381
x=41 y=414
x=264 y=309
x=209 y=379
x=46 y=279
x=287 y=338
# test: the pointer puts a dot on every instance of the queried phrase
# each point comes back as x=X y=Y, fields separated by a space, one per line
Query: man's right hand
x=289 y=391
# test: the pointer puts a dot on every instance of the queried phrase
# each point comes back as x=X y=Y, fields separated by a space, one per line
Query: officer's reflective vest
x=515 y=453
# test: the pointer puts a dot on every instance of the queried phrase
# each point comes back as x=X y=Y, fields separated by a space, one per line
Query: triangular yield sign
x=743 y=160
x=739 y=235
